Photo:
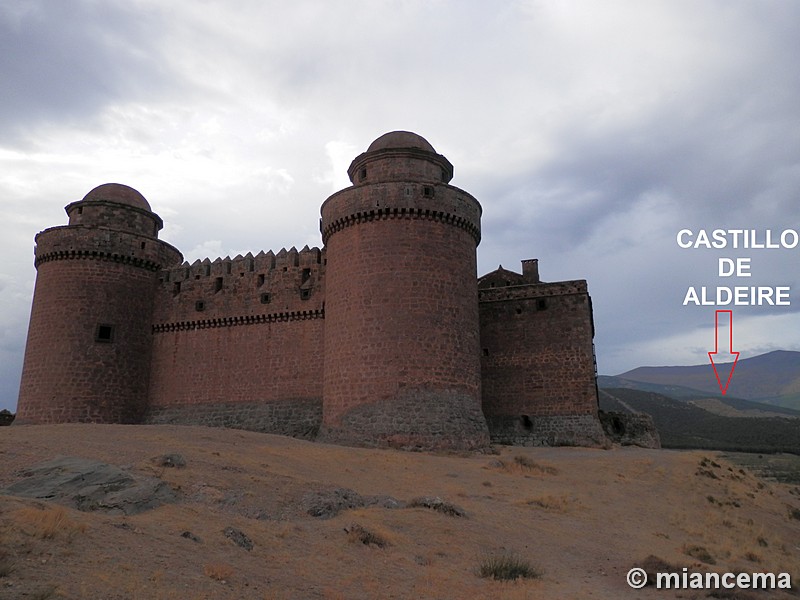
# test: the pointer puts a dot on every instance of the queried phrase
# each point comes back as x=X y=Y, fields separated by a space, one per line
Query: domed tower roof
x=115 y=206
x=400 y=156
x=400 y=139
x=119 y=193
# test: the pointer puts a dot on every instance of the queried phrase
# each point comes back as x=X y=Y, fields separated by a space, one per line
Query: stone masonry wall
x=538 y=361
x=71 y=376
x=239 y=341
x=401 y=336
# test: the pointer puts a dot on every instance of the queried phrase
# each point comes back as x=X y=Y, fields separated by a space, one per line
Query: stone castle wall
x=87 y=358
x=401 y=336
x=239 y=342
x=383 y=337
x=537 y=363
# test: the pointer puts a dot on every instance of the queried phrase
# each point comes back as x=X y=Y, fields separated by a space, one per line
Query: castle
x=383 y=337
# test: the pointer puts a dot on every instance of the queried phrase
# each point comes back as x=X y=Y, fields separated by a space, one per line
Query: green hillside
x=684 y=425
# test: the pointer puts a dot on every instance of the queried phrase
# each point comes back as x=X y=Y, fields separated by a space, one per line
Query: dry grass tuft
x=653 y=565
x=506 y=567
x=560 y=504
x=6 y=564
x=358 y=534
x=439 y=505
x=794 y=513
x=523 y=465
x=218 y=571
x=701 y=553
x=46 y=523
x=752 y=557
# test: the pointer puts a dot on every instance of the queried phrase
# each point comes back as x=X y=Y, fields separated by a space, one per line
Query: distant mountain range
x=760 y=412
x=772 y=378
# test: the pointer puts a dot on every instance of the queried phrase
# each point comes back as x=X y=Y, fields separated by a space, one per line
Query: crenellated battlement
x=290 y=281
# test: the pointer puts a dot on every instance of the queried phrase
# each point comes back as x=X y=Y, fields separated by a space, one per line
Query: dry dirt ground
x=581 y=518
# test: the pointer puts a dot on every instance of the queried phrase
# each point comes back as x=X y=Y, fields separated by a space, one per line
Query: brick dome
x=121 y=194
x=400 y=139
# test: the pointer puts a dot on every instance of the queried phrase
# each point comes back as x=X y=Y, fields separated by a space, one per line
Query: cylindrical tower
x=402 y=365
x=87 y=357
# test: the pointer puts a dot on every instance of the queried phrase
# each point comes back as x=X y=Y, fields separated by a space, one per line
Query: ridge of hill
x=772 y=378
x=692 y=424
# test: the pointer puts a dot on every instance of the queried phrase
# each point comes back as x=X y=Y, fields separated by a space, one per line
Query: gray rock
x=90 y=485
x=239 y=538
x=630 y=429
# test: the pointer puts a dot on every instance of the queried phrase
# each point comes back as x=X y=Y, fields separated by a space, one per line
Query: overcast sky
x=591 y=132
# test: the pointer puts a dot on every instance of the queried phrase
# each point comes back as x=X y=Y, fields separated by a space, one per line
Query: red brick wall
x=401 y=337
x=244 y=363
x=67 y=375
x=224 y=354
x=100 y=213
x=537 y=353
x=233 y=288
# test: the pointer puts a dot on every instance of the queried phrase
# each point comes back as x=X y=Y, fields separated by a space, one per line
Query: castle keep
x=383 y=337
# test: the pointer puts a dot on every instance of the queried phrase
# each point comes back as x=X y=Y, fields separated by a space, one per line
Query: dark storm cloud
x=61 y=62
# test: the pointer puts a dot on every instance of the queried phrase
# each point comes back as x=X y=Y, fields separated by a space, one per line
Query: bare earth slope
x=580 y=517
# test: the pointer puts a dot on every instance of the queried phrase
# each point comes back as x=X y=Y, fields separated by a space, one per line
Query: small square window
x=260 y=280
x=362 y=175
x=266 y=298
x=217 y=284
x=541 y=304
x=305 y=294
x=104 y=333
x=199 y=306
x=427 y=191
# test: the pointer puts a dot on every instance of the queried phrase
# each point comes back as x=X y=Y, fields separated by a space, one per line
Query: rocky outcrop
x=630 y=429
x=6 y=417
x=90 y=485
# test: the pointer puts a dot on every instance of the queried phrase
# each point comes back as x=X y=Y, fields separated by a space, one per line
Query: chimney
x=530 y=270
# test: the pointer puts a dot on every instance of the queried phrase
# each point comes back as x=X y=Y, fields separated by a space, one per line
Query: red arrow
x=726 y=356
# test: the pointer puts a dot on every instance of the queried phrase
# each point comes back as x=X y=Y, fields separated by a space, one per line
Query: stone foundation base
x=296 y=418
x=418 y=420
x=552 y=430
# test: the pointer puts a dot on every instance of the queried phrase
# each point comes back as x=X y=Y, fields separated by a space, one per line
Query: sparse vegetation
x=47 y=522
x=43 y=593
x=506 y=567
x=552 y=503
x=701 y=553
x=684 y=425
x=359 y=534
x=6 y=564
x=752 y=557
x=527 y=519
x=524 y=465
x=219 y=572
x=439 y=505
x=794 y=513
x=654 y=564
